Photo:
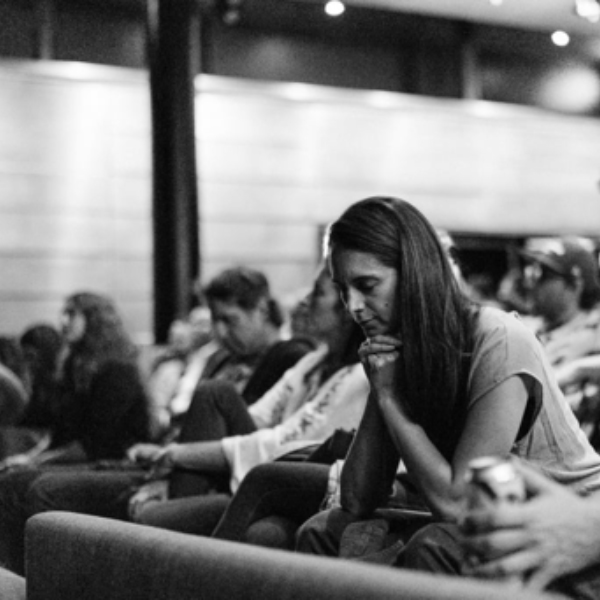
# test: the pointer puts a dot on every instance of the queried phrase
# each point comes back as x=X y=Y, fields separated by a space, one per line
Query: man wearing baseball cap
x=562 y=277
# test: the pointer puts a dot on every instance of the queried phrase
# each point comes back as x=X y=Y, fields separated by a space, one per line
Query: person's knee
x=265 y=478
x=41 y=496
x=435 y=548
x=322 y=532
x=216 y=391
x=147 y=515
x=273 y=532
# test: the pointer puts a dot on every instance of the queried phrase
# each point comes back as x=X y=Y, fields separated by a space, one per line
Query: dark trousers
x=272 y=501
x=27 y=492
x=381 y=538
x=197 y=500
x=217 y=410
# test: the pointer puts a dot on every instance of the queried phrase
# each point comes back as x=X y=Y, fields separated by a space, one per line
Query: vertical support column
x=470 y=71
x=44 y=30
x=174 y=33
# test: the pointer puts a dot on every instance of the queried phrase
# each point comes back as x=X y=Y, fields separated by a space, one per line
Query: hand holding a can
x=554 y=533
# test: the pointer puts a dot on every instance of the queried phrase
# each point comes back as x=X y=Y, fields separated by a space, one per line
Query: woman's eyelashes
x=366 y=286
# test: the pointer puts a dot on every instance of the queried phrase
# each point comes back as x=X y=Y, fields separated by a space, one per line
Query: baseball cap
x=569 y=258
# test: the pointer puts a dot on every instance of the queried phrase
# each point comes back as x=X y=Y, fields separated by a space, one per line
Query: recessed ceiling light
x=334 y=8
x=588 y=9
x=561 y=38
x=496 y=2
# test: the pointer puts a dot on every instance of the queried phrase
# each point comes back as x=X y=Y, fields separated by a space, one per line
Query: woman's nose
x=354 y=302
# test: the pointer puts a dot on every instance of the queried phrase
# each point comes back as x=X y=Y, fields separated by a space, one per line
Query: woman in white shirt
x=324 y=391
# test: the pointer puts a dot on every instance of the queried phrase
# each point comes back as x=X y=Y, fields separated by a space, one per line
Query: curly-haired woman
x=100 y=406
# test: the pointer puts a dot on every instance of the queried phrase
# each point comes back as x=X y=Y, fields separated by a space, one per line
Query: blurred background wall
x=296 y=117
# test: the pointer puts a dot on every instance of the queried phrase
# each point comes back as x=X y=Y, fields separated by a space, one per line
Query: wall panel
x=74 y=190
x=275 y=162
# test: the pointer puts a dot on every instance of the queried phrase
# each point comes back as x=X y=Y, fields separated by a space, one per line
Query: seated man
x=562 y=278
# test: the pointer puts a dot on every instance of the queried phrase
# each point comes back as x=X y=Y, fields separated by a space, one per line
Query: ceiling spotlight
x=230 y=11
x=588 y=9
x=496 y=2
x=560 y=38
x=334 y=8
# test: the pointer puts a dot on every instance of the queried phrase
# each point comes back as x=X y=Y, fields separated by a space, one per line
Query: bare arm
x=370 y=466
x=197 y=456
x=491 y=427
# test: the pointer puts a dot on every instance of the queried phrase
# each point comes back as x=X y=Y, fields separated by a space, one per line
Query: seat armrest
x=71 y=556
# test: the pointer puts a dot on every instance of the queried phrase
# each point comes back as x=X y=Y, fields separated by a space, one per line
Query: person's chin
x=372 y=328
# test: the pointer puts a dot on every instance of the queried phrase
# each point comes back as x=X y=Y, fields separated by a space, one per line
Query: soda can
x=493 y=479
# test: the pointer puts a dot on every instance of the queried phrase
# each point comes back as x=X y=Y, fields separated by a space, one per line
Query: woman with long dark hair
x=450 y=381
x=100 y=401
x=325 y=390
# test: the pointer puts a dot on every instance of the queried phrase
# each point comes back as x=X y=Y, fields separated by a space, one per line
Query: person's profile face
x=180 y=335
x=367 y=288
x=548 y=290
x=321 y=310
x=241 y=331
x=72 y=323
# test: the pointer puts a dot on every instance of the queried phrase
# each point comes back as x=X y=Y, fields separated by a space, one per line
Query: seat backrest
x=102 y=559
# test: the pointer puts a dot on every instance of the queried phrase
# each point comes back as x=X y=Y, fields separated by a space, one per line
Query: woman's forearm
x=370 y=466
x=69 y=453
x=430 y=470
x=197 y=456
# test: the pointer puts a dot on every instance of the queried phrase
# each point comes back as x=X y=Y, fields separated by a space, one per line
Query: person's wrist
x=390 y=404
x=169 y=457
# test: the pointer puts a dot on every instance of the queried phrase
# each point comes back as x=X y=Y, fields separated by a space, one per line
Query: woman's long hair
x=348 y=354
x=356 y=337
x=435 y=317
x=104 y=339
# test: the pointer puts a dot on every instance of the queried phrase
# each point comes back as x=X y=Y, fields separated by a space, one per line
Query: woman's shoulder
x=504 y=343
x=491 y=319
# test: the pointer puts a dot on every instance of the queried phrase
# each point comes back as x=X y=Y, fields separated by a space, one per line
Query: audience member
x=563 y=281
x=186 y=336
x=249 y=358
x=274 y=499
x=13 y=392
x=329 y=377
x=449 y=382
x=40 y=345
x=101 y=400
x=247 y=323
x=326 y=390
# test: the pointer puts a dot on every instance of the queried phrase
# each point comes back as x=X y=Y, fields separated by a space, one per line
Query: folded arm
x=491 y=428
